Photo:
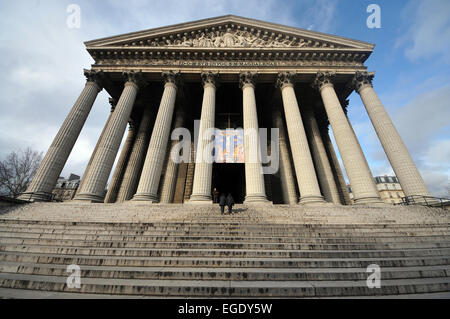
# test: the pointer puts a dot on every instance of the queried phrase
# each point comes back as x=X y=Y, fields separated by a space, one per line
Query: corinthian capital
x=323 y=79
x=171 y=77
x=285 y=78
x=247 y=78
x=97 y=77
x=135 y=77
x=210 y=78
x=362 y=79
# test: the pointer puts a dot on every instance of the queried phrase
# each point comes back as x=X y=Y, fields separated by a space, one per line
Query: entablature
x=266 y=56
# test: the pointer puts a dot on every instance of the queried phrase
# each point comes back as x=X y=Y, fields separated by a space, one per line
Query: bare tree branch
x=17 y=170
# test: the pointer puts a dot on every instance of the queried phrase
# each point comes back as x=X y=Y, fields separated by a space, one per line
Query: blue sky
x=42 y=62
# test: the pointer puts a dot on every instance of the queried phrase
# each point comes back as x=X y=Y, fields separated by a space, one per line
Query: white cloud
x=423 y=118
x=435 y=167
x=320 y=15
x=429 y=30
x=439 y=152
x=437 y=182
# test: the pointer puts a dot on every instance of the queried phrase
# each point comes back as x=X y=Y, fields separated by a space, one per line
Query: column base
x=89 y=198
x=368 y=201
x=198 y=202
x=312 y=200
x=200 y=198
x=256 y=199
x=145 y=198
x=35 y=197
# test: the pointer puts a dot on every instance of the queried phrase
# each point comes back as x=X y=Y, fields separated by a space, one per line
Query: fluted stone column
x=170 y=176
x=56 y=157
x=189 y=175
x=116 y=180
x=396 y=151
x=151 y=173
x=113 y=106
x=336 y=168
x=96 y=178
x=358 y=172
x=201 y=191
x=136 y=160
x=303 y=163
x=286 y=173
x=323 y=167
x=254 y=179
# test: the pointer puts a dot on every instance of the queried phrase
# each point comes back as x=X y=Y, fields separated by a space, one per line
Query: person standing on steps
x=222 y=203
x=230 y=203
x=215 y=195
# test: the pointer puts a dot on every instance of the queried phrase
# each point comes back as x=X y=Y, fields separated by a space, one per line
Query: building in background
x=66 y=188
x=388 y=187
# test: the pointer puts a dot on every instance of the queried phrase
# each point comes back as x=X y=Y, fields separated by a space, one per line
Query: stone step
x=222 y=232
x=200 y=222
x=303 y=221
x=174 y=251
x=232 y=262
x=225 y=288
x=198 y=273
x=280 y=239
x=55 y=224
x=7 y=293
x=37 y=294
x=267 y=253
x=208 y=245
x=221 y=226
x=200 y=214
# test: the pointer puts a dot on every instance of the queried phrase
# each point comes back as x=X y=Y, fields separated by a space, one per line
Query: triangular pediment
x=229 y=32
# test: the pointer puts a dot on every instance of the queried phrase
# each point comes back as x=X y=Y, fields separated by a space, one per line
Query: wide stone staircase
x=162 y=251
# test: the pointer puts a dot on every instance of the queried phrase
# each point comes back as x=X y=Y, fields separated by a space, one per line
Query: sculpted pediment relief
x=230 y=38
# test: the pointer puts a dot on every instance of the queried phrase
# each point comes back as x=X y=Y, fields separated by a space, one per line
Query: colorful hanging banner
x=229 y=146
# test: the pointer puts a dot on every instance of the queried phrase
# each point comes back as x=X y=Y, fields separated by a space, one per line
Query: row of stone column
x=329 y=174
x=130 y=170
x=95 y=179
x=54 y=160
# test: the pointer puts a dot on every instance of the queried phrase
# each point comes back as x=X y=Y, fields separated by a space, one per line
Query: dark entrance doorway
x=230 y=178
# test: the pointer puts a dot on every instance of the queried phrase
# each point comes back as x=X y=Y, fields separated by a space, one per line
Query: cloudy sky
x=42 y=61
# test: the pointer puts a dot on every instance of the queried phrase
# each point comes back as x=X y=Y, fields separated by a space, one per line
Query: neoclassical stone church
x=230 y=74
